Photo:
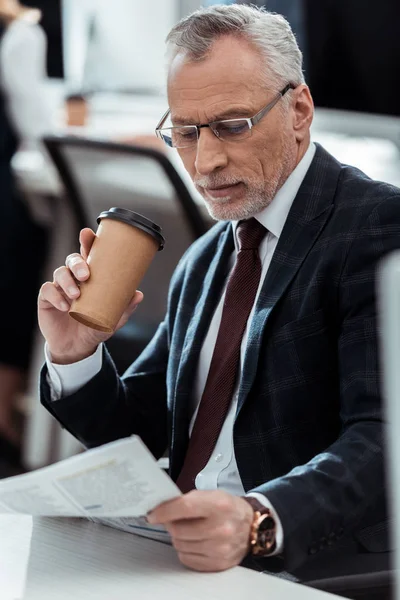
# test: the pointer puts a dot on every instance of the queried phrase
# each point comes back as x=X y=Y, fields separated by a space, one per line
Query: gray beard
x=257 y=196
x=255 y=201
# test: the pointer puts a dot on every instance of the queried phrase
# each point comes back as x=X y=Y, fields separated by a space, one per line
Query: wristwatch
x=263 y=529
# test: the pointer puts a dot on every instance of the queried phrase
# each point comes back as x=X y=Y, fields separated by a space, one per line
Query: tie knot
x=250 y=233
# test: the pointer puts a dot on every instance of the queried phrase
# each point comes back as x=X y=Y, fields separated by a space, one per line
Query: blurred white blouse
x=22 y=78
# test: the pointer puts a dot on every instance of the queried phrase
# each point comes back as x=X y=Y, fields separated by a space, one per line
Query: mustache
x=216 y=182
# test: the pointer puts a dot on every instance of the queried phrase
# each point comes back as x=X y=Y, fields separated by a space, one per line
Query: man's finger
x=133 y=304
x=64 y=280
x=200 y=547
x=210 y=549
x=184 y=507
x=193 y=530
x=194 y=505
x=78 y=266
x=86 y=239
x=136 y=300
x=198 y=562
x=51 y=297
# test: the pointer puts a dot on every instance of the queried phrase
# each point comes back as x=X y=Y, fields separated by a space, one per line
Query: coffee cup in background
x=122 y=251
x=77 y=110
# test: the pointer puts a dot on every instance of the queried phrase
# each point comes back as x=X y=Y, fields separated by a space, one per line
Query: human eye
x=232 y=128
x=184 y=135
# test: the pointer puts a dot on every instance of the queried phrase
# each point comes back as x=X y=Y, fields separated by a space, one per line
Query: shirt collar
x=274 y=216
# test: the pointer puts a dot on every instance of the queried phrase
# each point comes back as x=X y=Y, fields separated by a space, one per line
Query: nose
x=210 y=154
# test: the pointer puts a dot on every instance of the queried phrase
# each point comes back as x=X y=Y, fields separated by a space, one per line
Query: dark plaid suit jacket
x=308 y=431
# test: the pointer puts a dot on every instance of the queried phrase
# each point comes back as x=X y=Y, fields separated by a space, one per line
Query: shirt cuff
x=65 y=380
x=279 y=529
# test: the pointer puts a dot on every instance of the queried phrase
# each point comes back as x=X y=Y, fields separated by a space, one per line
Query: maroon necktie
x=217 y=396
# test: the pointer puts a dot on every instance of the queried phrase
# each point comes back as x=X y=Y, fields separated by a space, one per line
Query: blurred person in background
x=23 y=117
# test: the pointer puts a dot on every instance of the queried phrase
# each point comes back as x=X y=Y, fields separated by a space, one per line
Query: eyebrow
x=231 y=113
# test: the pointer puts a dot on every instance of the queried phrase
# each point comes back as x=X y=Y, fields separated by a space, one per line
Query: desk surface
x=72 y=558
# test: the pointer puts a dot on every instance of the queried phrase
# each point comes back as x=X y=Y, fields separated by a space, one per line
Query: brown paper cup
x=77 y=111
x=125 y=245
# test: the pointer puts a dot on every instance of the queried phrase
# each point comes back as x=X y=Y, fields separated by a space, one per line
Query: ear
x=303 y=111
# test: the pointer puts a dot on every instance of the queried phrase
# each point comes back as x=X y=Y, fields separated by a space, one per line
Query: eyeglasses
x=228 y=130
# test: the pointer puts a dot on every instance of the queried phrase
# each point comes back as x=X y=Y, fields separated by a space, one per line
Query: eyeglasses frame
x=251 y=121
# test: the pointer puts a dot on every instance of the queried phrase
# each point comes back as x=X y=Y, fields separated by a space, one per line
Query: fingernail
x=150 y=518
x=64 y=306
x=82 y=272
x=72 y=291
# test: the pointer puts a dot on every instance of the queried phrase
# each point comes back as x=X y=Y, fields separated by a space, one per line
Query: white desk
x=71 y=558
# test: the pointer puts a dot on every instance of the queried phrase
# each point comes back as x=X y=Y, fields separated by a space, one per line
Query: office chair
x=366 y=586
x=97 y=175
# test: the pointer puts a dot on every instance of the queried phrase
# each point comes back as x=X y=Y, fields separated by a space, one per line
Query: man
x=263 y=379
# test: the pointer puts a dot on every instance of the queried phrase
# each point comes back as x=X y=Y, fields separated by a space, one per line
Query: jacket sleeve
x=325 y=499
x=110 y=407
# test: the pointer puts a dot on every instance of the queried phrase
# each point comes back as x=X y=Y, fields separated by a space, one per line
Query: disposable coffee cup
x=124 y=247
x=77 y=111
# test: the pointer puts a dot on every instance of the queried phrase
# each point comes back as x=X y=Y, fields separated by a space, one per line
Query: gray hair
x=268 y=32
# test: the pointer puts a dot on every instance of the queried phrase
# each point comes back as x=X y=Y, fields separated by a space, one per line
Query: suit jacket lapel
x=213 y=282
x=309 y=213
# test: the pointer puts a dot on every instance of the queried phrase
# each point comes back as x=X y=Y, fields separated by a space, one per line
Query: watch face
x=266 y=534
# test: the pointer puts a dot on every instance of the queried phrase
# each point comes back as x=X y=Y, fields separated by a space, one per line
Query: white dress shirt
x=22 y=79
x=221 y=471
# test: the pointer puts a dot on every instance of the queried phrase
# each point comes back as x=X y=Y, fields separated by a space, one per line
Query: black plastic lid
x=132 y=218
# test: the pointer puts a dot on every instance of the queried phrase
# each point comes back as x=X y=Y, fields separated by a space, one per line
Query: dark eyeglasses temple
x=288 y=87
x=163 y=118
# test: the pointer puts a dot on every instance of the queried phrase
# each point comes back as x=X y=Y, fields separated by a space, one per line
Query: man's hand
x=209 y=529
x=68 y=340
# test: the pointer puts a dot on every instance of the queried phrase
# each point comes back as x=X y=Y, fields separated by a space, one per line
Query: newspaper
x=116 y=484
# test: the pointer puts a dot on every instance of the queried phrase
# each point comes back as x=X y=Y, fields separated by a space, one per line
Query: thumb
x=133 y=304
x=136 y=300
